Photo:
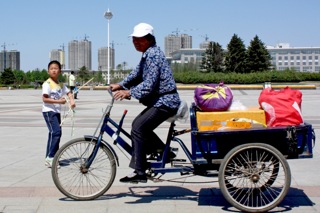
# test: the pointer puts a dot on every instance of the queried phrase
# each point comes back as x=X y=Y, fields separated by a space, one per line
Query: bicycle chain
x=157 y=180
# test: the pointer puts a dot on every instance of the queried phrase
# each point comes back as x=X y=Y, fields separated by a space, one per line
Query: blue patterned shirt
x=152 y=80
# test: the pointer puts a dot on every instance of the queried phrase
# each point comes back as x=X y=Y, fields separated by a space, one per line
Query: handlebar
x=112 y=99
x=111 y=94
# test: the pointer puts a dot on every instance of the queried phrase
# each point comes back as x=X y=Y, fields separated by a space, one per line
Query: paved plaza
x=26 y=185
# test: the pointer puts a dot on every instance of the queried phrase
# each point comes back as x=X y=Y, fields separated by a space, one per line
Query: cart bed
x=214 y=145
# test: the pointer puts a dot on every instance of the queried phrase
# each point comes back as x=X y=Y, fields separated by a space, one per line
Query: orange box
x=204 y=118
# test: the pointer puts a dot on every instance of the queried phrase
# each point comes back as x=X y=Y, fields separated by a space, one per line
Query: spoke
x=84 y=183
x=255 y=178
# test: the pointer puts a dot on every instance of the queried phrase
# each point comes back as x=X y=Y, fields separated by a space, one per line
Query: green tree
x=45 y=75
x=20 y=77
x=98 y=77
x=119 y=67
x=7 y=77
x=29 y=77
x=212 y=60
x=62 y=78
x=83 y=74
x=258 y=57
x=235 y=60
x=37 y=75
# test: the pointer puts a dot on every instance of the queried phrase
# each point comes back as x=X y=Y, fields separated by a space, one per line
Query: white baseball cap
x=142 y=29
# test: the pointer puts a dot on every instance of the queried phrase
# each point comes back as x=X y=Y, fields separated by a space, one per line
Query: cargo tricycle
x=250 y=164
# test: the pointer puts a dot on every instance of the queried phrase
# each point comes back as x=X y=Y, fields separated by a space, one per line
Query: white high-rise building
x=84 y=54
x=103 y=59
x=174 y=42
x=9 y=59
x=80 y=54
x=73 y=55
x=58 y=55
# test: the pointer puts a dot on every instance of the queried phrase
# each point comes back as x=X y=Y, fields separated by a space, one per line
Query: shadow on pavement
x=205 y=197
x=295 y=199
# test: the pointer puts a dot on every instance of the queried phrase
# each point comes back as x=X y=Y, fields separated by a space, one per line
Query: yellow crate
x=204 y=118
x=207 y=125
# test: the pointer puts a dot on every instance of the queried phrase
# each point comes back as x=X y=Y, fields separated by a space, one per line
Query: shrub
x=289 y=76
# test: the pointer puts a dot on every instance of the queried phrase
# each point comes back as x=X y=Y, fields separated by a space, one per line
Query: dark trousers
x=144 y=140
x=72 y=91
x=53 y=121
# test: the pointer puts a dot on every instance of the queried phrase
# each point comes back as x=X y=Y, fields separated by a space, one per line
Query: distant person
x=76 y=91
x=72 y=83
x=152 y=83
x=53 y=96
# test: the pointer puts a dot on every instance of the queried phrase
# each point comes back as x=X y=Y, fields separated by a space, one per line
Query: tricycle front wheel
x=254 y=177
x=76 y=181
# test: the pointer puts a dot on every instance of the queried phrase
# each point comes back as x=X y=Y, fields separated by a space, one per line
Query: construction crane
x=177 y=31
x=4 y=46
x=206 y=38
x=85 y=37
x=62 y=47
x=113 y=43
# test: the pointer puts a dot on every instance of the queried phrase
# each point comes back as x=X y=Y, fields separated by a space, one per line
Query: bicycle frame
x=114 y=133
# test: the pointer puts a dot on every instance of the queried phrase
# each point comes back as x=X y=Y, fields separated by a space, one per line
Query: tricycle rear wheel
x=254 y=177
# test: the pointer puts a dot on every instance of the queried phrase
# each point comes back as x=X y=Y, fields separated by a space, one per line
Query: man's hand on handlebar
x=120 y=93
x=115 y=87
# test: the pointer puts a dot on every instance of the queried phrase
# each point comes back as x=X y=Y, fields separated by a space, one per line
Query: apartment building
x=174 y=42
x=9 y=59
x=58 y=55
x=303 y=59
x=80 y=54
x=103 y=59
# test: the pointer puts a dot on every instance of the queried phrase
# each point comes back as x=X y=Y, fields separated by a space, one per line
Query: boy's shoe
x=48 y=162
x=134 y=178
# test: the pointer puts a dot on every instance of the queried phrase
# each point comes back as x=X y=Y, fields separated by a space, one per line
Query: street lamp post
x=108 y=15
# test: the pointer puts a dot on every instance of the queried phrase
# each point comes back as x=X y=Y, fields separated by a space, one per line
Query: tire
x=254 y=177
x=83 y=184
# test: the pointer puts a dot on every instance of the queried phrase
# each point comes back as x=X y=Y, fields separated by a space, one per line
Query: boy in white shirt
x=53 y=93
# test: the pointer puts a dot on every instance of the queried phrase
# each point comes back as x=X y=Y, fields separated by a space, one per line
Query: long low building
x=303 y=59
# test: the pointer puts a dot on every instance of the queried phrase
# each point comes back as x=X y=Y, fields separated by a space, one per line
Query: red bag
x=282 y=107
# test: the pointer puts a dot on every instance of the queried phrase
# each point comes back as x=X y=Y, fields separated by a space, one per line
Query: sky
x=35 y=27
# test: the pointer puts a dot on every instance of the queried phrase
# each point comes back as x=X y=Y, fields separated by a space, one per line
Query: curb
x=254 y=87
x=234 y=87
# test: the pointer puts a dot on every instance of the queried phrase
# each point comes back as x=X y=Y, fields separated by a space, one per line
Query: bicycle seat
x=182 y=113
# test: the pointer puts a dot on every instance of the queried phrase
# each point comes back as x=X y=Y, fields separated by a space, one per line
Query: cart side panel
x=309 y=141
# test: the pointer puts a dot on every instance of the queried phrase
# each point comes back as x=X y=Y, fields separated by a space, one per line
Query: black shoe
x=134 y=178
